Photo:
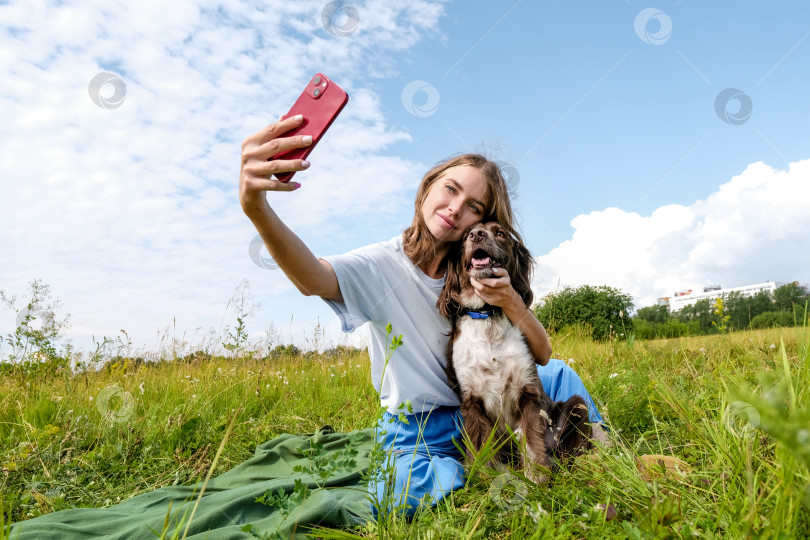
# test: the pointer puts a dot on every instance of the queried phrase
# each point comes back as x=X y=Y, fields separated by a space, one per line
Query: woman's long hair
x=420 y=245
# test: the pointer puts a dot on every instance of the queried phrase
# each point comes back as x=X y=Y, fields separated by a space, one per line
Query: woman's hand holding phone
x=255 y=177
x=266 y=154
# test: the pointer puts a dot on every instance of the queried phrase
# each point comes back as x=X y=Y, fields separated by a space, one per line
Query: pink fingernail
x=305 y=164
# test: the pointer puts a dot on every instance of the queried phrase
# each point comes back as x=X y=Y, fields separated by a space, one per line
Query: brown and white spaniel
x=491 y=367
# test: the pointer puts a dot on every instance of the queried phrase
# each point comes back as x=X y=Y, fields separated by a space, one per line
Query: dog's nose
x=478 y=234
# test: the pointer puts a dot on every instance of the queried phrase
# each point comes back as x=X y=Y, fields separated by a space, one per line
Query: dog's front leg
x=476 y=422
x=533 y=424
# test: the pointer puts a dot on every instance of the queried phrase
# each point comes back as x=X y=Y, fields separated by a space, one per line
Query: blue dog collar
x=482 y=314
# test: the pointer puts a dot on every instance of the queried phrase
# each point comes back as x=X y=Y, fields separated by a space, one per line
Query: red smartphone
x=320 y=103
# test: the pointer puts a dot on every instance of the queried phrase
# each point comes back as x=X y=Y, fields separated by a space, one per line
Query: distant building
x=681 y=299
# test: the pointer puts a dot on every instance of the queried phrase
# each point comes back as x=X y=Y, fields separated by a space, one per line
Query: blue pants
x=424 y=464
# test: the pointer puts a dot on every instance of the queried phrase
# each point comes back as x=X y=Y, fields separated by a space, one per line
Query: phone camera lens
x=316 y=92
x=317 y=80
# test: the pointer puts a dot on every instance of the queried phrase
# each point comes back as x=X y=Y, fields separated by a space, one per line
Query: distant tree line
x=604 y=313
x=785 y=307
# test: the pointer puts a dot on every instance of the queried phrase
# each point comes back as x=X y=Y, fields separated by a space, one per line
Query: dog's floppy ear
x=521 y=275
x=449 y=302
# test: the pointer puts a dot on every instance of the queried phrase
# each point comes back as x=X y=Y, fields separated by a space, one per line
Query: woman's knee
x=416 y=480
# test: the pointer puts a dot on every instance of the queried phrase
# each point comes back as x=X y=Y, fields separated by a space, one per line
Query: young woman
x=397 y=282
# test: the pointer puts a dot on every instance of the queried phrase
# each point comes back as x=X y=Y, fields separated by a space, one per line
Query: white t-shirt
x=381 y=285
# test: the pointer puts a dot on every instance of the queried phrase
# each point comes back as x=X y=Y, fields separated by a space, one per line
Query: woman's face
x=456 y=200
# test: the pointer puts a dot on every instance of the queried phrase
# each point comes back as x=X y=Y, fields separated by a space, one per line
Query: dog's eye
x=500 y=234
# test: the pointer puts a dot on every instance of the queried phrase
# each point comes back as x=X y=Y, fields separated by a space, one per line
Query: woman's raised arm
x=312 y=276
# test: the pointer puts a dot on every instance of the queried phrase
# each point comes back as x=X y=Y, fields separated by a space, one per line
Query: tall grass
x=733 y=408
x=58 y=450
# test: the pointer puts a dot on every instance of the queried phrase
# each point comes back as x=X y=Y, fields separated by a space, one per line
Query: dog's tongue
x=480 y=263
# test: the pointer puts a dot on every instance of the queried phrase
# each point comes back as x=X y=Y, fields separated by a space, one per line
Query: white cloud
x=752 y=229
x=131 y=214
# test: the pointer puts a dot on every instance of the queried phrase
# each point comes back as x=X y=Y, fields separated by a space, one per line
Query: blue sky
x=624 y=172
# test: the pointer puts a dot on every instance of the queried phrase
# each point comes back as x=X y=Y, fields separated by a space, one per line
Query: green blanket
x=300 y=465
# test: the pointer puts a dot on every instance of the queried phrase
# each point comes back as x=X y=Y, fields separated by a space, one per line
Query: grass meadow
x=734 y=409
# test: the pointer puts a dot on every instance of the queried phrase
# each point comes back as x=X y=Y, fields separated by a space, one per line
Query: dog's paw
x=535 y=475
